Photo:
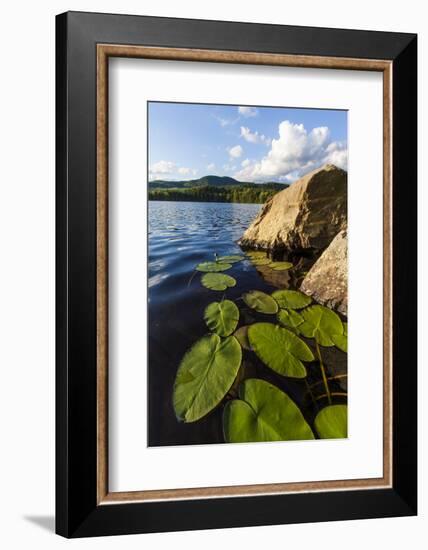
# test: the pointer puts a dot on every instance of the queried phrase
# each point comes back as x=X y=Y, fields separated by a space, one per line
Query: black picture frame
x=77 y=512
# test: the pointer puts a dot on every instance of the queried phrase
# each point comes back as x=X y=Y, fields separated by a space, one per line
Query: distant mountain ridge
x=210 y=181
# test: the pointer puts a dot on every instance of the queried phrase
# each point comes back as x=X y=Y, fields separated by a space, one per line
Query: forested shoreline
x=256 y=194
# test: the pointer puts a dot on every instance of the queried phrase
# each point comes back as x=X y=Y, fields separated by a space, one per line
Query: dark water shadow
x=45 y=522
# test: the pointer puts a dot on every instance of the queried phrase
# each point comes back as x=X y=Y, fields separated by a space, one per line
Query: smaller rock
x=327 y=281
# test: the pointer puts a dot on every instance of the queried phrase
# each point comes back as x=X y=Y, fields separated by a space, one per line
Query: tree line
x=252 y=194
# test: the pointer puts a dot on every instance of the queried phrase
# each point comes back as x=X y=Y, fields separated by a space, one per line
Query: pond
x=181 y=235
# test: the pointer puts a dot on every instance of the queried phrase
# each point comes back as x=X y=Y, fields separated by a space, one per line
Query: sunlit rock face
x=304 y=217
x=327 y=280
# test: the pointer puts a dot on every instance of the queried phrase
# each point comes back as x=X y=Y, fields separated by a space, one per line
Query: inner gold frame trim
x=104 y=52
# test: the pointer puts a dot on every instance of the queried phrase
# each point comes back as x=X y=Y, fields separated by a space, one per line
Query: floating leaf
x=263 y=413
x=280 y=266
x=291 y=299
x=242 y=336
x=233 y=258
x=332 y=422
x=260 y=261
x=341 y=340
x=217 y=281
x=212 y=267
x=289 y=318
x=260 y=301
x=256 y=254
x=205 y=375
x=222 y=317
x=280 y=349
x=321 y=323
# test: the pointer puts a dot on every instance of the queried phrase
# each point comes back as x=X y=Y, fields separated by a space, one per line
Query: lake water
x=181 y=235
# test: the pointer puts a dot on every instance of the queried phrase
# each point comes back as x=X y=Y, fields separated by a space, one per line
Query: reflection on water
x=182 y=234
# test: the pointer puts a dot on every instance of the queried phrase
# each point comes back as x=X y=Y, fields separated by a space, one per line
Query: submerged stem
x=309 y=390
x=324 y=377
x=335 y=394
x=191 y=278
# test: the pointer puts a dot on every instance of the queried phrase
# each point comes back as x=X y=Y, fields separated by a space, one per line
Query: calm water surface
x=181 y=235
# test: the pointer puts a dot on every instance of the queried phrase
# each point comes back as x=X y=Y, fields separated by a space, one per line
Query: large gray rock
x=306 y=215
x=327 y=280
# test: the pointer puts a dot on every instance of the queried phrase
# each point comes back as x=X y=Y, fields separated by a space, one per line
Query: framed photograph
x=236 y=274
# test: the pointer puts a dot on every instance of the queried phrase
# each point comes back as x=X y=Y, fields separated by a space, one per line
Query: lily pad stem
x=324 y=377
x=191 y=279
x=309 y=390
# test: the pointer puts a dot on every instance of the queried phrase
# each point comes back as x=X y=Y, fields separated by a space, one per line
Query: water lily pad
x=260 y=301
x=321 y=323
x=279 y=349
x=289 y=318
x=260 y=261
x=205 y=375
x=222 y=317
x=217 y=281
x=332 y=422
x=233 y=258
x=241 y=334
x=341 y=340
x=263 y=413
x=291 y=299
x=256 y=254
x=280 y=266
x=212 y=267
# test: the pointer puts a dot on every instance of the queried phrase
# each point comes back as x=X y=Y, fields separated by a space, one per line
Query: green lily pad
x=279 y=349
x=260 y=301
x=280 y=266
x=241 y=334
x=212 y=267
x=291 y=299
x=332 y=422
x=263 y=413
x=321 y=323
x=205 y=375
x=217 y=281
x=289 y=318
x=260 y=261
x=256 y=254
x=233 y=258
x=222 y=317
x=341 y=340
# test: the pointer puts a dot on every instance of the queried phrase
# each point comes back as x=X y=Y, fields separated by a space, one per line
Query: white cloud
x=184 y=171
x=225 y=121
x=254 y=137
x=245 y=163
x=247 y=111
x=167 y=169
x=163 y=167
x=235 y=152
x=211 y=166
x=294 y=153
x=338 y=154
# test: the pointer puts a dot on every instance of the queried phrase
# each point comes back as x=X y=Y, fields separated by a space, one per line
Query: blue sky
x=188 y=141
